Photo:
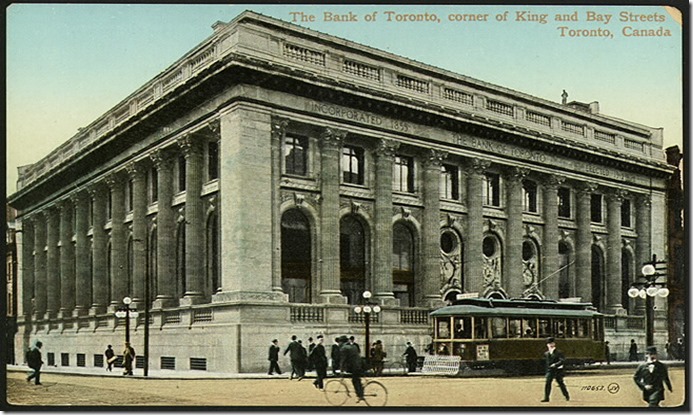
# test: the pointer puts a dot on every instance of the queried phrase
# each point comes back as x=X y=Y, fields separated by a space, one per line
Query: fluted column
x=40 y=264
x=83 y=283
x=194 y=222
x=382 y=278
x=643 y=245
x=614 y=285
x=331 y=144
x=550 y=262
x=136 y=172
x=583 y=246
x=165 y=231
x=513 y=280
x=473 y=264
x=28 y=276
x=99 y=250
x=431 y=228
x=278 y=133
x=53 y=262
x=67 y=260
x=119 y=288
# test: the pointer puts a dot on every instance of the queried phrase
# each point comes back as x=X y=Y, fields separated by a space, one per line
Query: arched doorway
x=598 y=278
x=352 y=258
x=296 y=256
x=403 y=266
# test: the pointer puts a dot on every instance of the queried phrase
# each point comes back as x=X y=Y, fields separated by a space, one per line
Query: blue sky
x=68 y=64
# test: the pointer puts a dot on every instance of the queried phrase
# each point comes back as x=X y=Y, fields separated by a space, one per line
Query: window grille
x=458 y=96
x=573 y=128
x=413 y=316
x=304 y=55
x=537 y=118
x=299 y=313
x=198 y=363
x=633 y=145
x=64 y=359
x=412 y=84
x=168 y=363
x=500 y=108
x=172 y=318
x=361 y=317
x=606 y=137
x=81 y=360
x=362 y=70
x=98 y=360
x=139 y=362
x=202 y=315
x=51 y=358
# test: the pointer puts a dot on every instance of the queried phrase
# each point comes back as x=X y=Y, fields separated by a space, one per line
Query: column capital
x=434 y=158
x=188 y=145
x=586 y=188
x=386 y=148
x=332 y=137
x=616 y=195
x=78 y=197
x=135 y=170
x=160 y=157
x=643 y=201
x=516 y=174
x=553 y=181
x=112 y=180
x=279 y=125
x=477 y=166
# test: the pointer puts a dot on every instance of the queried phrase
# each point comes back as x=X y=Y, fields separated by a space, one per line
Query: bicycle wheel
x=398 y=369
x=375 y=393
x=336 y=392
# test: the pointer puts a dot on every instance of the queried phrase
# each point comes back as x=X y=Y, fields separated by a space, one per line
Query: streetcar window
x=458 y=349
x=514 y=327
x=480 y=331
x=529 y=327
x=443 y=329
x=559 y=327
x=443 y=349
x=583 y=328
x=544 y=327
x=571 y=327
x=463 y=328
x=499 y=327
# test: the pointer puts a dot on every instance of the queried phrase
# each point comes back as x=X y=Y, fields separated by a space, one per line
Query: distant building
x=677 y=275
x=256 y=187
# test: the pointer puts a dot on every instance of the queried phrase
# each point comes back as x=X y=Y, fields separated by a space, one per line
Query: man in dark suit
x=295 y=355
x=318 y=359
x=351 y=362
x=411 y=357
x=334 y=355
x=274 y=358
x=651 y=377
x=554 y=369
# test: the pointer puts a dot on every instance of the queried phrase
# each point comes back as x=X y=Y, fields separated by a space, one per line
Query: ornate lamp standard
x=367 y=308
x=126 y=312
x=648 y=289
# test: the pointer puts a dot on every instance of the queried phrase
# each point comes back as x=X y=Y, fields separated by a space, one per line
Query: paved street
x=596 y=388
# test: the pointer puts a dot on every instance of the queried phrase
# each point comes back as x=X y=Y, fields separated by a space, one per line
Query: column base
x=617 y=310
x=250 y=296
x=80 y=311
x=192 y=299
x=164 y=302
x=332 y=297
x=387 y=300
x=97 y=309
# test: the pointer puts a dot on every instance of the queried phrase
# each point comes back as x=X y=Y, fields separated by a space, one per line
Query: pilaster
x=83 y=283
x=382 y=280
x=40 y=305
x=99 y=194
x=165 y=231
x=136 y=173
x=279 y=125
x=53 y=262
x=119 y=289
x=27 y=279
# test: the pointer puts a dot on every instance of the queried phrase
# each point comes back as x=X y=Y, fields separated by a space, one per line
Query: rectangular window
x=181 y=173
x=625 y=213
x=212 y=160
x=153 y=185
x=596 y=208
x=480 y=328
x=491 y=189
x=109 y=205
x=564 y=210
x=449 y=182
x=90 y=217
x=499 y=327
x=295 y=155
x=403 y=176
x=352 y=165
x=529 y=196
x=128 y=201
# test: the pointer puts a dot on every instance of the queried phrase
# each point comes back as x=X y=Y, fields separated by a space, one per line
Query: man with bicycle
x=351 y=362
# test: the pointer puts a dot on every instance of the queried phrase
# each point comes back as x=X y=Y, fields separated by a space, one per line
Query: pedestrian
x=352 y=341
x=633 y=351
x=311 y=346
x=34 y=361
x=302 y=361
x=110 y=354
x=128 y=359
x=411 y=357
x=680 y=349
x=350 y=361
x=274 y=358
x=318 y=359
x=429 y=348
x=651 y=377
x=294 y=350
x=554 y=369
x=669 y=350
x=334 y=355
x=378 y=356
x=607 y=353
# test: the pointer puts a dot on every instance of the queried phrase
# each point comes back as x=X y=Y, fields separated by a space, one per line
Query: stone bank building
x=255 y=188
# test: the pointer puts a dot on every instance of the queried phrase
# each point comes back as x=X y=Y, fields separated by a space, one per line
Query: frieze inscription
x=503 y=149
x=359 y=116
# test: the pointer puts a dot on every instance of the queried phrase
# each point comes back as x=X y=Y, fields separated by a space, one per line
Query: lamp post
x=648 y=289
x=126 y=312
x=367 y=308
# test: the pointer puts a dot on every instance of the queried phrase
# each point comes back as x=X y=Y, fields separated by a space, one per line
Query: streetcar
x=511 y=334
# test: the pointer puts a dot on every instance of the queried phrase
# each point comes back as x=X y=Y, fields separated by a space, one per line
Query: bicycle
x=337 y=391
x=397 y=367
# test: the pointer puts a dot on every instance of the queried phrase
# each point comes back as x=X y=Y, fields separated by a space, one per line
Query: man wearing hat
x=274 y=358
x=651 y=377
x=554 y=369
x=351 y=362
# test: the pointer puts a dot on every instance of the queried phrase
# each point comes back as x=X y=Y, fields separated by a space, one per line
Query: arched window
x=452 y=264
x=352 y=258
x=296 y=256
x=492 y=254
x=530 y=262
x=152 y=266
x=564 y=286
x=597 y=278
x=213 y=253
x=403 y=266
x=180 y=259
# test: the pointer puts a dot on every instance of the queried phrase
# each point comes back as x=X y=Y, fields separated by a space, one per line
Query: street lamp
x=126 y=312
x=367 y=308
x=648 y=289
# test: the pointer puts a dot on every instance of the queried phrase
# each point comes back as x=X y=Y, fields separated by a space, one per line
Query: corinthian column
x=67 y=260
x=643 y=245
x=165 y=231
x=278 y=133
x=382 y=280
x=614 y=285
x=550 y=262
x=136 y=173
x=100 y=271
x=28 y=276
x=583 y=246
x=194 y=222
x=41 y=266
x=513 y=280
x=331 y=144
x=83 y=284
x=53 y=262
x=473 y=265
x=431 y=228
x=119 y=288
